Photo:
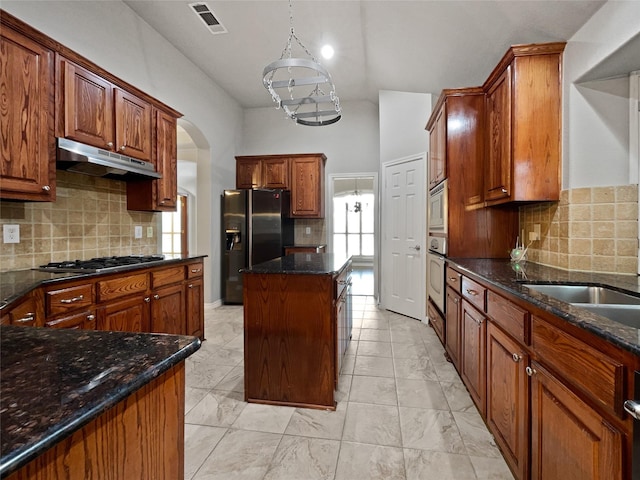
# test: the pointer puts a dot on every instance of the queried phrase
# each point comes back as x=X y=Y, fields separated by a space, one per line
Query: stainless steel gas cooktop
x=96 y=265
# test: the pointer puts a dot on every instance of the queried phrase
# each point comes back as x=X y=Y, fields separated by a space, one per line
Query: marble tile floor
x=402 y=414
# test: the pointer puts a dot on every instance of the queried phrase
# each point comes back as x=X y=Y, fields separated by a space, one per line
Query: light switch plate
x=11 y=233
x=149 y=232
x=137 y=231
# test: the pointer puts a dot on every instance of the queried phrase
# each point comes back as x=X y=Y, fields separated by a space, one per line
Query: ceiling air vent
x=207 y=16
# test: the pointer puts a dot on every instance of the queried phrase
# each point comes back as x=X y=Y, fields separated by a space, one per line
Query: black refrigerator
x=255 y=227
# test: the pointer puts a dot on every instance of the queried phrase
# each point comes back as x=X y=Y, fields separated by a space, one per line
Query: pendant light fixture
x=297 y=85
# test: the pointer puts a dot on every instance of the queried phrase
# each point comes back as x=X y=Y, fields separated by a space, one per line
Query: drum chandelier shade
x=297 y=86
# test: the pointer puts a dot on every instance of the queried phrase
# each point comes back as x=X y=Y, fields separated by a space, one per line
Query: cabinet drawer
x=342 y=282
x=436 y=321
x=195 y=270
x=167 y=276
x=573 y=358
x=454 y=279
x=474 y=293
x=24 y=314
x=68 y=299
x=122 y=286
x=77 y=321
x=509 y=316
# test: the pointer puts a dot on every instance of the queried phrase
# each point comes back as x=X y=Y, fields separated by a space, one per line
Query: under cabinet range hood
x=80 y=158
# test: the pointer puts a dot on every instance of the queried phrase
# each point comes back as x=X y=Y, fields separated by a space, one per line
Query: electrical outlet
x=307 y=231
x=149 y=232
x=137 y=231
x=11 y=233
x=535 y=235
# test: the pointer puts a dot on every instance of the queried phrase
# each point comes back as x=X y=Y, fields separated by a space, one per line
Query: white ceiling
x=411 y=46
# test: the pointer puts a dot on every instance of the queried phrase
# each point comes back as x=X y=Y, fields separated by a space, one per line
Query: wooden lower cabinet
x=128 y=315
x=194 y=308
x=142 y=437
x=167 y=310
x=453 y=327
x=77 y=321
x=507 y=413
x=569 y=440
x=473 y=353
x=436 y=322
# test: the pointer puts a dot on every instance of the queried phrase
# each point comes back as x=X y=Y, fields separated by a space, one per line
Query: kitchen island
x=91 y=404
x=297 y=326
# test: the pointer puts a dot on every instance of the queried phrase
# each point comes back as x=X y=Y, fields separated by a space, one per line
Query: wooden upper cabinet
x=524 y=95
x=133 y=125
x=248 y=172
x=269 y=171
x=307 y=185
x=160 y=195
x=96 y=112
x=27 y=167
x=438 y=147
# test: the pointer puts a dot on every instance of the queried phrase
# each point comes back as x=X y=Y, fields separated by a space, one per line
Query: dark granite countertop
x=302 y=264
x=17 y=283
x=53 y=382
x=510 y=277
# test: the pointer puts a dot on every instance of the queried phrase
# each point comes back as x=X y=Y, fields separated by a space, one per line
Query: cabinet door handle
x=147 y=299
x=46 y=188
x=110 y=144
x=632 y=408
x=156 y=296
x=72 y=300
x=190 y=285
x=455 y=300
x=453 y=279
x=196 y=270
x=479 y=322
x=29 y=317
x=91 y=318
x=504 y=190
x=122 y=148
x=516 y=357
x=530 y=371
x=472 y=292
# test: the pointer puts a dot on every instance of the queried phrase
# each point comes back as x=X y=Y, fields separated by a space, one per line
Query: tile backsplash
x=88 y=219
x=589 y=229
x=317 y=231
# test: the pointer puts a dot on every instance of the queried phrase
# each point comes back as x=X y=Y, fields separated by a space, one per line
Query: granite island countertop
x=302 y=264
x=511 y=277
x=17 y=283
x=55 y=381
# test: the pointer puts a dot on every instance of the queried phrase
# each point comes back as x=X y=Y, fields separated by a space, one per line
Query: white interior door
x=403 y=230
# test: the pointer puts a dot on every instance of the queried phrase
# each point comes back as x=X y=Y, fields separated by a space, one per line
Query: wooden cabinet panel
x=128 y=315
x=87 y=110
x=166 y=161
x=498 y=165
x=473 y=353
x=167 y=310
x=195 y=308
x=572 y=358
x=122 y=286
x=275 y=173
x=68 y=299
x=453 y=327
x=77 y=321
x=248 y=173
x=569 y=440
x=133 y=125
x=513 y=319
x=507 y=412
x=167 y=276
x=307 y=186
x=438 y=149
x=436 y=322
x=27 y=166
x=195 y=270
x=474 y=293
x=27 y=313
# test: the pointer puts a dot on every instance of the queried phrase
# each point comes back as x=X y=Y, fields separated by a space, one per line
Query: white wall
x=596 y=114
x=114 y=37
x=403 y=116
x=351 y=144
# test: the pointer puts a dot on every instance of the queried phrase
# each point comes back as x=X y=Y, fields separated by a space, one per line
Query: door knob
x=416 y=248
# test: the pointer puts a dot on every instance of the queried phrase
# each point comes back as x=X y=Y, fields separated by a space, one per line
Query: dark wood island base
x=297 y=326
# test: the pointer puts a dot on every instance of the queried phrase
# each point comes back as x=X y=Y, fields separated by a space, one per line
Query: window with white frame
x=353 y=224
x=174 y=230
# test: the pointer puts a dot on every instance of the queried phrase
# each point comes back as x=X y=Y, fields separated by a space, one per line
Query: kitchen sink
x=626 y=314
x=617 y=306
x=585 y=294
